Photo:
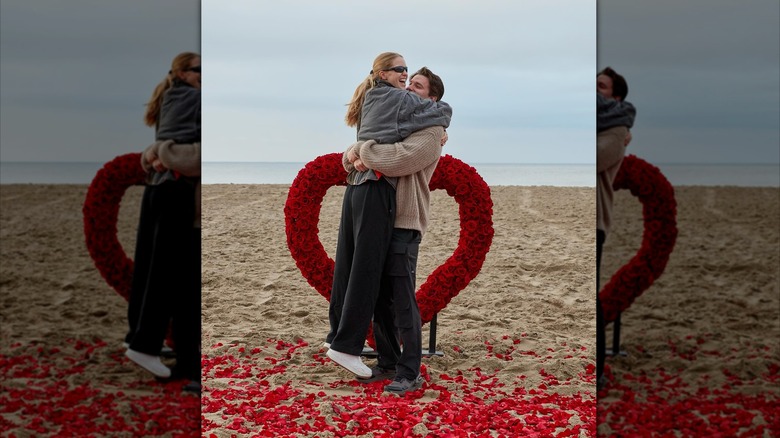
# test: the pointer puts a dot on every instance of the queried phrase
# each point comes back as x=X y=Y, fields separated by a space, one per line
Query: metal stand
x=431 y=351
x=615 y=350
x=432 y=341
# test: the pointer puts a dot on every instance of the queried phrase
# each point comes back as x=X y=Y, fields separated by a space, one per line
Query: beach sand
x=62 y=327
x=532 y=303
x=710 y=323
x=715 y=308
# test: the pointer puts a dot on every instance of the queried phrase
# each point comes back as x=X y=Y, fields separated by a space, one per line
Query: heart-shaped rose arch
x=101 y=210
x=659 y=210
x=462 y=182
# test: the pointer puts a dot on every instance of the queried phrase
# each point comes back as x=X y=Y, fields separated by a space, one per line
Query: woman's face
x=192 y=74
x=396 y=79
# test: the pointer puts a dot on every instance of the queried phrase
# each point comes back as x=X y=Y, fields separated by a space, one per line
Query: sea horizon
x=494 y=174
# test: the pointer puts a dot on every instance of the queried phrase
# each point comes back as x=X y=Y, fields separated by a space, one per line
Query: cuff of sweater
x=365 y=144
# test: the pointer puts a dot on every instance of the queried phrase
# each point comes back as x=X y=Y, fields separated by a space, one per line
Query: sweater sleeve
x=345 y=161
x=183 y=158
x=406 y=157
x=150 y=153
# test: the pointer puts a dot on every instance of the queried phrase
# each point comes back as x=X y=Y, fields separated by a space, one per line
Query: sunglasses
x=397 y=69
x=194 y=69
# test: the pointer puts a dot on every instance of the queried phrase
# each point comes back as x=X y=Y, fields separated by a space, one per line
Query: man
x=396 y=316
x=613 y=118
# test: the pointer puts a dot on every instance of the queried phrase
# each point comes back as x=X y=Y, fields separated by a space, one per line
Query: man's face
x=604 y=86
x=420 y=85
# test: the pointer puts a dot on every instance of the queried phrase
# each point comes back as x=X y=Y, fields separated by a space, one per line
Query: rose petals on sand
x=44 y=392
x=243 y=395
x=668 y=403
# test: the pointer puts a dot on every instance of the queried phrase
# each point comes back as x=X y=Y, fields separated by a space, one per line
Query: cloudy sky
x=75 y=75
x=518 y=75
x=704 y=76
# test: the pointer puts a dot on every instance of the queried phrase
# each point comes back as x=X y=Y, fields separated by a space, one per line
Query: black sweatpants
x=396 y=316
x=163 y=276
x=367 y=218
x=601 y=336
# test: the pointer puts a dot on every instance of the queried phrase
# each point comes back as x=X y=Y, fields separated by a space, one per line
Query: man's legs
x=401 y=270
x=388 y=345
x=601 y=337
x=186 y=315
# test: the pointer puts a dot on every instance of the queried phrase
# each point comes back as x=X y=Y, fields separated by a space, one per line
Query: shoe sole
x=353 y=371
x=166 y=373
x=378 y=377
x=404 y=391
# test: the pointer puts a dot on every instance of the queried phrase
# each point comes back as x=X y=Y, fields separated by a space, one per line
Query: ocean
x=562 y=175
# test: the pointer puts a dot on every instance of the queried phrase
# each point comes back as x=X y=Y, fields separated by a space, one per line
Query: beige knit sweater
x=183 y=158
x=610 y=150
x=413 y=160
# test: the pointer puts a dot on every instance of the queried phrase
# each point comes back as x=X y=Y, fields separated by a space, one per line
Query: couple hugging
x=400 y=133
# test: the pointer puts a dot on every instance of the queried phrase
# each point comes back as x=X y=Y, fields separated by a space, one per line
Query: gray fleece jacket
x=611 y=113
x=180 y=114
x=390 y=115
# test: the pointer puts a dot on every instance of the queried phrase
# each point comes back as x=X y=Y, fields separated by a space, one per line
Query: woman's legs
x=372 y=208
x=143 y=249
x=172 y=206
x=345 y=249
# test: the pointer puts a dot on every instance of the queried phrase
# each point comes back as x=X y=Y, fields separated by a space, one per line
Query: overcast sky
x=704 y=76
x=75 y=75
x=519 y=75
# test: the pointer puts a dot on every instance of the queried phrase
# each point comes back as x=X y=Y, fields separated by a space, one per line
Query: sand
x=61 y=327
x=715 y=308
x=712 y=320
x=535 y=288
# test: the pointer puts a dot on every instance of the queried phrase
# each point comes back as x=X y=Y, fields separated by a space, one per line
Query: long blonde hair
x=355 y=106
x=179 y=64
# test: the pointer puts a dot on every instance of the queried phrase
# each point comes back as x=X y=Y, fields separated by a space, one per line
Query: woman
x=382 y=110
x=166 y=278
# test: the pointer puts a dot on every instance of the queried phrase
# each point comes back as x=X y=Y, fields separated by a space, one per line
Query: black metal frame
x=431 y=351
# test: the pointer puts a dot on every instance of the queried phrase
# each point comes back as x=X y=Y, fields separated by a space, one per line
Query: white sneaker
x=326 y=344
x=352 y=363
x=149 y=363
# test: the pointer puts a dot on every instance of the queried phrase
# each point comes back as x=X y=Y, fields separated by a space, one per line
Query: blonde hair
x=179 y=64
x=382 y=62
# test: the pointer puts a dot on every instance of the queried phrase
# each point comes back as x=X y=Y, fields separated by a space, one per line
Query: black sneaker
x=377 y=374
x=193 y=387
x=401 y=386
x=601 y=383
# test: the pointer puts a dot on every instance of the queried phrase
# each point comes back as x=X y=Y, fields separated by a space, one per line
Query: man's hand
x=628 y=139
x=352 y=157
x=358 y=163
x=444 y=139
